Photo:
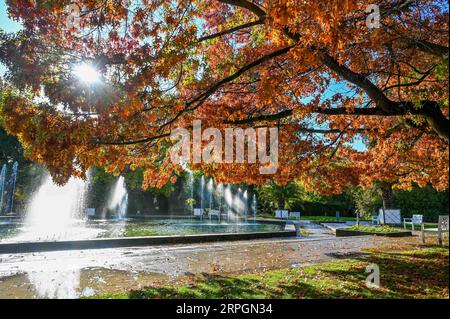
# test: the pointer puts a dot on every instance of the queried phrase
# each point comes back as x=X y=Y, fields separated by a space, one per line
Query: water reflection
x=59 y=283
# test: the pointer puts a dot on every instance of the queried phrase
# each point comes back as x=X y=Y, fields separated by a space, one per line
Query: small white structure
x=214 y=213
x=198 y=212
x=90 y=212
x=390 y=217
x=415 y=220
x=295 y=215
x=440 y=231
x=282 y=214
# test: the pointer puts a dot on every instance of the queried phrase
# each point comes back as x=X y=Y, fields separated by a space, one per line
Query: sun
x=87 y=73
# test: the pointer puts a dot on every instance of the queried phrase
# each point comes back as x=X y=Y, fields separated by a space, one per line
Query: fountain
x=228 y=196
x=246 y=204
x=211 y=191
x=57 y=213
x=11 y=187
x=119 y=199
x=238 y=203
x=190 y=182
x=221 y=195
x=202 y=191
x=191 y=186
x=255 y=206
x=2 y=186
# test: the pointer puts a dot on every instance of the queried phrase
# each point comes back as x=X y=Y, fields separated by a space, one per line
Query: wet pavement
x=72 y=274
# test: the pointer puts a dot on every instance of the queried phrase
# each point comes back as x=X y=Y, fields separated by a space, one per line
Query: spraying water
x=229 y=202
x=210 y=191
x=2 y=186
x=246 y=204
x=119 y=199
x=238 y=203
x=255 y=205
x=191 y=185
x=12 y=188
x=57 y=213
x=220 y=191
x=202 y=191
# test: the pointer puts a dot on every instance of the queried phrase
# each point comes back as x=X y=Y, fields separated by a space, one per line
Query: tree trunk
x=281 y=203
x=387 y=195
x=388 y=198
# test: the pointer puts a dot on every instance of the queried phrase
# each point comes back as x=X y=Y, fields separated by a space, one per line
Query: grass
x=374 y=229
x=419 y=273
x=319 y=219
x=140 y=231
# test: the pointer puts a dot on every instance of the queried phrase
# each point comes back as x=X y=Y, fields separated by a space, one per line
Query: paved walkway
x=74 y=273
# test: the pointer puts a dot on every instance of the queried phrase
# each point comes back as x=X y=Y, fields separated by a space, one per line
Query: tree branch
x=229 y=31
x=132 y=142
x=246 y=5
x=196 y=102
x=429 y=47
x=375 y=94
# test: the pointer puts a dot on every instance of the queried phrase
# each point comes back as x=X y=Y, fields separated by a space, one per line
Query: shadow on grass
x=407 y=274
x=413 y=274
x=215 y=287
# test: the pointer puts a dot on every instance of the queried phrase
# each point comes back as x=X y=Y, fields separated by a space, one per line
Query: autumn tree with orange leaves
x=314 y=69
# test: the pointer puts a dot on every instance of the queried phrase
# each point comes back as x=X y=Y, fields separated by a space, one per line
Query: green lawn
x=320 y=219
x=421 y=273
x=140 y=231
x=374 y=229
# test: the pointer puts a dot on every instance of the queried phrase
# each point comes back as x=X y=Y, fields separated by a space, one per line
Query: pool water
x=192 y=227
x=78 y=230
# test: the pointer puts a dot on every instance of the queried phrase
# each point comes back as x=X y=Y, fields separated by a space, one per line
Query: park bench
x=440 y=230
x=198 y=212
x=295 y=215
x=415 y=220
x=214 y=213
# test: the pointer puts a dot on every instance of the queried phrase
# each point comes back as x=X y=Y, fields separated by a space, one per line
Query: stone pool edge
x=105 y=243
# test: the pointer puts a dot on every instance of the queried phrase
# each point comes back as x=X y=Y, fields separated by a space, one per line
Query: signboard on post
x=90 y=212
x=390 y=217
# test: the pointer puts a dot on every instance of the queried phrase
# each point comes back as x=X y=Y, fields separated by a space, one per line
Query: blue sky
x=6 y=25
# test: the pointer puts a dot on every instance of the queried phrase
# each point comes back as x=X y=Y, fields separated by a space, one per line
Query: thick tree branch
x=131 y=142
x=332 y=111
x=375 y=94
x=429 y=47
x=430 y=110
x=246 y=5
x=432 y=113
x=231 y=30
x=262 y=118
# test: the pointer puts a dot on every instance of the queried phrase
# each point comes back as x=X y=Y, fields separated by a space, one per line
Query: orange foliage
x=165 y=63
